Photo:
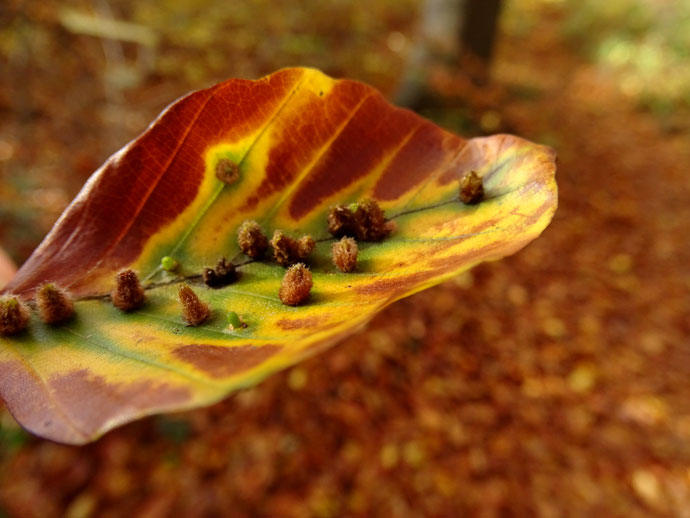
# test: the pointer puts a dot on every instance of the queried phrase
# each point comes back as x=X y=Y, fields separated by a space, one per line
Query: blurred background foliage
x=643 y=45
x=551 y=384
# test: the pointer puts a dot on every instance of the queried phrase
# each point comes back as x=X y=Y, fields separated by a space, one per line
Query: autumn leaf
x=281 y=151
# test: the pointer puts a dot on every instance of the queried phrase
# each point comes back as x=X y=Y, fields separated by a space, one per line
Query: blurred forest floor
x=551 y=384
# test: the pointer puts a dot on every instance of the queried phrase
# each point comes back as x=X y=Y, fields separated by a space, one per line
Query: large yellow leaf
x=303 y=142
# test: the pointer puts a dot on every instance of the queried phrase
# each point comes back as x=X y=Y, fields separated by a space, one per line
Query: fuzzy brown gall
x=227 y=171
x=54 y=304
x=341 y=222
x=252 y=240
x=366 y=223
x=289 y=251
x=194 y=312
x=344 y=254
x=371 y=222
x=296 y=285
x=305 y=246
x=128 y=294
x=471 y=188
x=14 y=315
x=224 y=274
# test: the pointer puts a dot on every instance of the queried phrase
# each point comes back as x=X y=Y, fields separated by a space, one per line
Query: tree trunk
x=450 y=32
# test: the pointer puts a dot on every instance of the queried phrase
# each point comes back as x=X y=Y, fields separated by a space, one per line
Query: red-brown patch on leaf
x=299 y=323
x=372 y=133
x=90 y=401
x=30 y=402
x=423 y=153
x=394 y=285
x=221 y=362
x=303 y=136
x=493 y=250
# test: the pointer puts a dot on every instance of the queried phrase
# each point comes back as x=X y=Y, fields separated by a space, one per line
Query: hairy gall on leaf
x=227 y=171
x=341 y=222
x=224 y=274
x=364 y=220
x=14 y=315
x=371 y=221
x=194 y=312
x=287 y=250
x=54 y=304
x=296 y=285
x=344 y=254
x=128 y=294
x=471 y=188
x=252 y=240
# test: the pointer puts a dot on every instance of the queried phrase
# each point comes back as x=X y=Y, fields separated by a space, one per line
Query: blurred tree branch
x=451 y=32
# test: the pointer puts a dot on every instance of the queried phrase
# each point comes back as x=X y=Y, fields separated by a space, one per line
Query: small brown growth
x=371 y=221
x=341 y=222
x=289 y=251
x=471 y=188
x=54 y=304
x=366 y=223
x=227 y=171
x=14 y=315
x=194 y=311
x=224 y=274
x=128 y=294
x=344 y=254
x=296 y=285
x=251 y=239
x=305 y=246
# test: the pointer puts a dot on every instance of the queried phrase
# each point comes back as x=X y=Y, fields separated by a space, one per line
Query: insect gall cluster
x=364 y=220
x=54 y=304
